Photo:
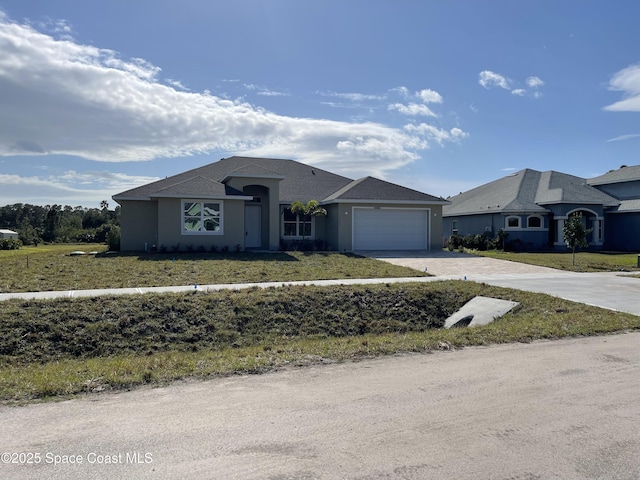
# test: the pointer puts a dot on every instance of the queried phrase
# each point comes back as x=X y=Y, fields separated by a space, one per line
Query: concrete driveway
x=566 y=409
x=611 y=290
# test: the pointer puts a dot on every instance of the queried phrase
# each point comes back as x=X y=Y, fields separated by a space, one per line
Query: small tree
x=575 y=234
x=311 y=209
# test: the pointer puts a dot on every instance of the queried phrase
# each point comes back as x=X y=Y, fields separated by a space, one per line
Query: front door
x=253 y=226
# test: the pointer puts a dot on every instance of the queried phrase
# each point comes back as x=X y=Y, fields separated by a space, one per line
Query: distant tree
x=311 y=209
x=575 y=234
x=104 y=205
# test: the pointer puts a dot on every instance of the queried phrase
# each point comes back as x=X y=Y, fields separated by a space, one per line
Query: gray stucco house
x=531 y=206
x=243 y=203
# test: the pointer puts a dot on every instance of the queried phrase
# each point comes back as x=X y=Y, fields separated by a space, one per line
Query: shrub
x=113 y=238
x=10 y=244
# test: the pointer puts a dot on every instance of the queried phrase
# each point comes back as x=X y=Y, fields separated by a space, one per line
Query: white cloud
x=535 y=82
x=70 y=188
x=429 y=96
x=518 y=92
x=627 y=81
x=437 y=134
x=624 y=137
x=489 y=79
x=412 y=109
x=61 y=97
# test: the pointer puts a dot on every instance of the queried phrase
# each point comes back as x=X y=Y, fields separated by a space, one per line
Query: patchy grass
x=585 y=261
x=58 y=348
x=54 y=269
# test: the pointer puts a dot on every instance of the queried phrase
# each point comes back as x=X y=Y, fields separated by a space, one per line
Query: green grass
x=60 y=348
x=585 y=261
x=46 y=268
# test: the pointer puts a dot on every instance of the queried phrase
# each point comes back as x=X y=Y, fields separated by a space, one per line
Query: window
x=296 y=225
x=454 y=227
x=534 y=222
x=513 y=222
x=202 y=218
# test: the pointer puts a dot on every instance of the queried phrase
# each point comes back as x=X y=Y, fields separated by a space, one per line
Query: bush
x=10 y=244
x=485 y=241
x=113 y=238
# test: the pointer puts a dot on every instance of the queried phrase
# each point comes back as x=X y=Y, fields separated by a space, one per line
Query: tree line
x=60 y=224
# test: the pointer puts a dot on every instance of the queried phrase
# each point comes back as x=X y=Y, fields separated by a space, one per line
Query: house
x=623 y=221
x=243 y=203
x=8 y=234
x=532 y=206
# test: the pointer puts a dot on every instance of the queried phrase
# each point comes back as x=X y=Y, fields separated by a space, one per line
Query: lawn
x=47 y=268
x=585 y=261
x=60 y=348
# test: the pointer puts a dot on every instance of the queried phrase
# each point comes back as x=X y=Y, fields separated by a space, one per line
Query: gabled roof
x=374 y=189
x=197 y=186
x=297 y=182
x=527 y=191
x=623 y=174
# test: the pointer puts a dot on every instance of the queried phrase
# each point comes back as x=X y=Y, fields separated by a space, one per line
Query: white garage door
x=390 y=229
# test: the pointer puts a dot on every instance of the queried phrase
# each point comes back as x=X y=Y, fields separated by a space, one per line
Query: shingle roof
x=623 y=174
x=526 y=191
x=297 y=182
x=369 y=188
x=198 y=185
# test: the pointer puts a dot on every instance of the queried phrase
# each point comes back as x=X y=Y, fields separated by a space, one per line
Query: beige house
x=243 y=203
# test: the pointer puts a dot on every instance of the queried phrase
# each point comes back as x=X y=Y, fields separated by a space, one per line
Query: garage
x=390 y=229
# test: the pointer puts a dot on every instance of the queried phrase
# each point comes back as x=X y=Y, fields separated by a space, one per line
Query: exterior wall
x=533 y=238
x=623 y=190
x=344 y=220
x=271 y=207
x=332 y=226
x=13 y=235
x=170 y=226
x=138 y=225
x=622 y=232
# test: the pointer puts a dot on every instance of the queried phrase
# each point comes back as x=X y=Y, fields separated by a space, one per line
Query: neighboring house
x=622 y=222
x=8 y=234
x=532 y=207
x=243 y=203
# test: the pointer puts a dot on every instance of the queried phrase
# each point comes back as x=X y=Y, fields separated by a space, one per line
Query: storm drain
x=463 y=322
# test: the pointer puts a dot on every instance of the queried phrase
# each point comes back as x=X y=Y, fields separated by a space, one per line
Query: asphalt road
x=565 y=409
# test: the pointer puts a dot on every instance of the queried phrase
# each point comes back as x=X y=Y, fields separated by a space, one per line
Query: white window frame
x=298 y=222
x=184 y=231
x=506 y=222
x=454 y=227
x=541 y=227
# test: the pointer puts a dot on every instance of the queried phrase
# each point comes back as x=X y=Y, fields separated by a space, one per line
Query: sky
x=439 y=96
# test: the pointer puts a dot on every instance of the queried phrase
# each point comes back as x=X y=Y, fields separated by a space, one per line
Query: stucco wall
x=170 y=226
x=622 y=191
x=622 y=232
x=138 y=225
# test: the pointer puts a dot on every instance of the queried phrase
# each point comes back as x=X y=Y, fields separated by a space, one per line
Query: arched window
x=534 y=221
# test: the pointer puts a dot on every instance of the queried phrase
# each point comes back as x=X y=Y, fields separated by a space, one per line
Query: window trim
x=506 y=222
x=220 y=203
x=298 y=222
x=454 y=227
x=541 y=227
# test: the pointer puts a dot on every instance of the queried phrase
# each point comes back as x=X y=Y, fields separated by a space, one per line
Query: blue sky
x=100 y=97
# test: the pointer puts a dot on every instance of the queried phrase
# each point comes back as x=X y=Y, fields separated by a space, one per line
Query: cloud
x=489 y=79
x=429 y=96
x=624 y=137
x=68 y=188
x=412 y=109
x=62 y=97
x=437 y=134
x=627 y=81
x=518 y=92
x=535 y=82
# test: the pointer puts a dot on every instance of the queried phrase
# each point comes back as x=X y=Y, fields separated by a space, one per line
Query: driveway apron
x=610 y=290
